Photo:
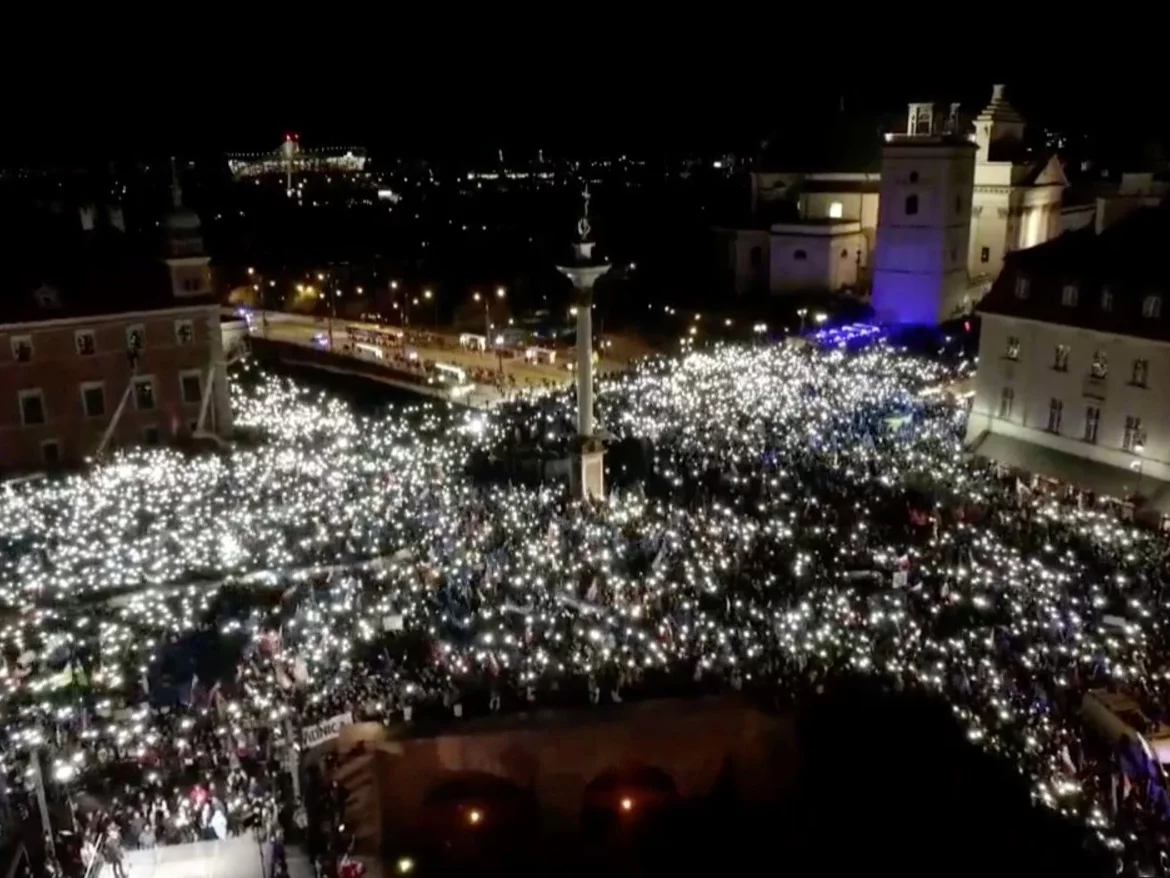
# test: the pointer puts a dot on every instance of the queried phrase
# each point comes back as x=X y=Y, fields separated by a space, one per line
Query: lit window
x=836 y=210
x=1068 y=296
x=1013 y=348
x=985 y=254
x=1060 y=361
x=1152 y=306
x=1021 y=287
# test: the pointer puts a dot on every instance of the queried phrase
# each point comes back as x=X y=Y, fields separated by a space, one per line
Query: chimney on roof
x=87 y=217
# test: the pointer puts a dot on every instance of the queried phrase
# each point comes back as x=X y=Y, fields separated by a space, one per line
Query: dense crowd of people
x=177 y=625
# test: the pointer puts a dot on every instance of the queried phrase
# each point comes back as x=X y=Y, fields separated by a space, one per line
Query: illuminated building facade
x=836 y=188
x=102 y=343
x=1074 y=357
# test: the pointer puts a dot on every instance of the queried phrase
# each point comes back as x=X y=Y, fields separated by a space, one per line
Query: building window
x=836 y=210
x=1068 y=296
x=913 y=176
x=1106 y=299
x=85 y=342
x=985 y=255
x=144 y=394
x=755 y=257
x=1141 y=371
x=1013 y=348
x=1152 y=306
x=192 y=284
x=1092 y=422
x=1006 y=399
x=1134 y=438
x=958 y=204
x=191 y=386
x=150 y=435
x=32 y=407
x=1021 y=287
x=51 y=452
x=185 y=329
x=135 y=338
x=1055 y=414
x=1100 y=366
x=22 y=349
x=799 y=255
x=1060 y=360
x=845 y=254
x=93 y=399
x=911 y=205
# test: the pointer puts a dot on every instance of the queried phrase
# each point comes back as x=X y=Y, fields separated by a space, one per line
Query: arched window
x=911 y=205
x=799 y=255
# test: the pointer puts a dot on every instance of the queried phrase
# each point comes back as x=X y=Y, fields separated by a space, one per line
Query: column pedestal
x=587 y=476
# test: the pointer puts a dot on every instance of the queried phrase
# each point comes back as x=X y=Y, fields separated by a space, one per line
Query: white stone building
x=1014 y=200
x=1017 y=198
x=1074 y=360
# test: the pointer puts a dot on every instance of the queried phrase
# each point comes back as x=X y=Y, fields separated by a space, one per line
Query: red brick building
x=107 y=339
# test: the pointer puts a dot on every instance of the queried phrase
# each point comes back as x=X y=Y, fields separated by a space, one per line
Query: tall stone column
x=585 y=363
x=584 y=270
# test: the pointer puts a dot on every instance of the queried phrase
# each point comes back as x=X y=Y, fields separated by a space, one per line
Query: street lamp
x=487 y=320
x=430 y=297
x=802 y=313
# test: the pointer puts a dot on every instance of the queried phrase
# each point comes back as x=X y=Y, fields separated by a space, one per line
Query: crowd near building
x=1074 y=358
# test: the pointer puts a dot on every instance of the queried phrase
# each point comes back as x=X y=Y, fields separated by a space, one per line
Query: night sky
x=422 y=104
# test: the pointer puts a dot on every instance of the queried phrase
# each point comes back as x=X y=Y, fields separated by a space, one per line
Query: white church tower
x=1017 y=198
x=924 y=219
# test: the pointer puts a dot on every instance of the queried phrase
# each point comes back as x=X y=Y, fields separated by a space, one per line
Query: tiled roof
x=1124 y=265
x=57 y=271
